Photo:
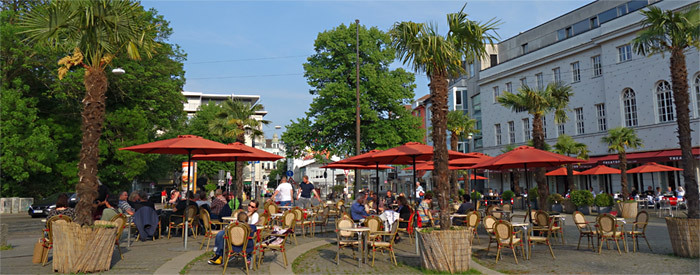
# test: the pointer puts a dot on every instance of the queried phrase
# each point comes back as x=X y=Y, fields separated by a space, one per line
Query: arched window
x=664 y=101
x=629 y=103
x=697 y=94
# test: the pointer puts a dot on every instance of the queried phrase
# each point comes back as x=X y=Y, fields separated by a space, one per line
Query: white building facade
x=589 y=49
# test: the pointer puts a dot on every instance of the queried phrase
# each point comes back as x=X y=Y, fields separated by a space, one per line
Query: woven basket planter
x=628 y=210
x=83 y=249
x=446 y=250
x=685 y=236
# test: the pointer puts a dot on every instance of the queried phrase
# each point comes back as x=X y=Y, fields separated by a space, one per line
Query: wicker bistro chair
x=639 y=228
x=209 y=233
x=375 y=225
x=408 y=229
x=264 y=219
x=303 y=220
x=544 y=237
x=607 y=228
x=47 y=241
x=506 y=237
x=190 y=214
x=271 y=208
x=237 y=234
x=345 y=238
x=121 y=224
x=473 y=220
x=273 y=246
x=585 y=230
x=381 y=245
x=289 y=222
x=507 y=207
x=320 y=219
x=489 y=223
x=545 y=222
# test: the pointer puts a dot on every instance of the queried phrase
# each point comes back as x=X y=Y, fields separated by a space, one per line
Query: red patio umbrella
x=248 y=154
x=561 y=172
x=651 y=167
x=600 y=170
x=408 y=153
x=429 y=165
x=355 y=166
x=479 y=157
x=183 y=145
x=361 y=160
x=474 y=177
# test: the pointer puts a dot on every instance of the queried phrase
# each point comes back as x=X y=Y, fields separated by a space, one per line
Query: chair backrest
x=503 y=231
x=489 y=210
x=374 y=223
x=120 y=220
x=606 y=223
x=235 y=213
x=542 y=218
x=344 y=223
x=340 y=203
x=346 y=215
x=507 y=207
x=298 y=214
x=579 y=220
x=533 y=216
x=237 y=234
x=394 y=230
x=206 y=220
x=478 y=205
x=489 y=222
x=191 y=212
x=289 y=219
x=264 y=219
x=50 y=221
x=473 y=219
x=271 y=208
x=642 y=217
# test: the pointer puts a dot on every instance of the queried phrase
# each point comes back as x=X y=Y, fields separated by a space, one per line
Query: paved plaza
x=316 y=255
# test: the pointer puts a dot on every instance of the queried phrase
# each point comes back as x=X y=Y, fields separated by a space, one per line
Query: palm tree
x=440 y=57
x=538 y=103
x=235 y=120
x=674 y=32
x=460 y=125
x=619 y=140
x=96 y=31
x=568 y=146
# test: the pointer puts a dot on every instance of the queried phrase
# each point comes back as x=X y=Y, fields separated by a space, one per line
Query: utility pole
x=357 y=94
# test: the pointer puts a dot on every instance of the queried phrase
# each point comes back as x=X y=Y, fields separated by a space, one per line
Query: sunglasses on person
x=252 y=206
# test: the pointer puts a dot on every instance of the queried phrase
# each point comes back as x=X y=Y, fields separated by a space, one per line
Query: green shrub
x=555 y=198
x=604 y=200
x=581 y=198
x=532 y=194
x=210 y=186
x=507 y=195
x=475 y=196
x=461 y=193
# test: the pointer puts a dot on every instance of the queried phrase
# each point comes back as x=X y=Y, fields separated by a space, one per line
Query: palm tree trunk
x=238 y=185
x=438 y=92
x=623 y=174
x=679 y=79
x=570 y=177
x=538 y=142
x=516 y=181
x=93 y=115
x=454 y=190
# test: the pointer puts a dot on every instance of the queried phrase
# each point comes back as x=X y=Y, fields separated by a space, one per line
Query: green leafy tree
x=674 y=32
x=297 y=137
x=440 y=57
x=384 y=92
x=619 y=140
x=460 y=126
x=568 y=146
x=538 y=103
x=279 y=172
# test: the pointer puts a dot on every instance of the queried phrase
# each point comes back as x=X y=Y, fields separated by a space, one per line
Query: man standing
x=419 y=192
x=285 y=191
x=163 y=196
x=304 y=194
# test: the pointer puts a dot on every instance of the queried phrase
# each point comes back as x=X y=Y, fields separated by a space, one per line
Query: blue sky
x=258 y=47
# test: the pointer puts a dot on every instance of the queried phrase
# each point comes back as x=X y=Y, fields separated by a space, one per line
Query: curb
x=178 y=263
x=277 y=267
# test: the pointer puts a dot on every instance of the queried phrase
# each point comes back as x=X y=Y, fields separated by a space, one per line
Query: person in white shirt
x=285 y=191
x=680 y=192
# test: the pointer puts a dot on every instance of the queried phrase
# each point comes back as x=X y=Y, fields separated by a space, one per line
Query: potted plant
x=475 y=196
x=555 y=200
x=532 y=197
x=507 y=196
x=628 y=209
x=568 y=206
x=583 y=200
x=604 y=203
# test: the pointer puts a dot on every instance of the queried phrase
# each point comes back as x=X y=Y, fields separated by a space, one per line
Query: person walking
x=306 y=188
x=285 y=191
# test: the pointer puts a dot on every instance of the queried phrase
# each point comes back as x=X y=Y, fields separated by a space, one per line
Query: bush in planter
x=532 y=194
x=507 y=195
x=582 y=199
x=555 y=200
x=604 y=202
x=475 y=196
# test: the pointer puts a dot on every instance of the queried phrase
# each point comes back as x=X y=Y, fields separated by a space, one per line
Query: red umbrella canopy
x=409 y=152
x=652 y=167
x=249 y=154
x=525 y=156
x=472 y=177
x=561 y=172
x=183 y=145
x=337 y=165
x=601 y=170
x=477 y=158
x=429 y=165
x=361 y=159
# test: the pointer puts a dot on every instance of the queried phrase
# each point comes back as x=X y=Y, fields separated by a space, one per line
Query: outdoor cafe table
x=526 y=235
x=360 y=239
x=458 y=216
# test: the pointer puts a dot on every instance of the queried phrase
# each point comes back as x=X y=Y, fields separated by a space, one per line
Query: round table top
x=276 y=215
x=228 y=218
x=355 y=229
x=458 y=215
x=519 y=224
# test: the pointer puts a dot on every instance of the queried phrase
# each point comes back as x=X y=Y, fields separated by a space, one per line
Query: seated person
x=649 y=192
x=110 y=211
x=426 y=216
x=464 y=208
x=357 y=210
x=143 y=201
x=404 y=212
x=220 y=243
x=62 y=208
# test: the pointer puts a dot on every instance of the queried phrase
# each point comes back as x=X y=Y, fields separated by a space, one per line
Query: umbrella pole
x=377 y=188
x=414 y=200
x=527 y=183
x=189 y=181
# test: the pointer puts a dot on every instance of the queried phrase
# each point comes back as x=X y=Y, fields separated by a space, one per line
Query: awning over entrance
x=642 y=157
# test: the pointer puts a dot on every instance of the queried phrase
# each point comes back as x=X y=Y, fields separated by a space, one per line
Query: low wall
x=15 y=205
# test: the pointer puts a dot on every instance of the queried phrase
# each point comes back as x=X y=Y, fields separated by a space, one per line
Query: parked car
x=42 y=207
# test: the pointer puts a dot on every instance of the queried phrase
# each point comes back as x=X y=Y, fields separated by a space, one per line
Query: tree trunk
x=679 y=80
x=238 y=183
x=454 y=189
x=516 y=181
x=570 y=177
x=623 y=175
x=538 y=142
x=93 y=116
x=438 y=93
